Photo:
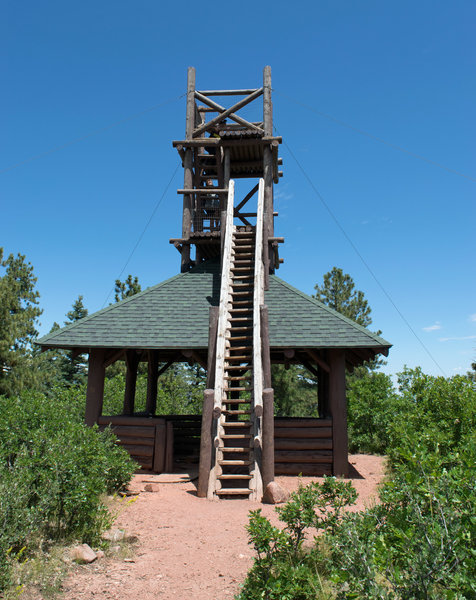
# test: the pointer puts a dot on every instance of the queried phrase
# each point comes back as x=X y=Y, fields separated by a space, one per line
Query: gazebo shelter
x=227 y=311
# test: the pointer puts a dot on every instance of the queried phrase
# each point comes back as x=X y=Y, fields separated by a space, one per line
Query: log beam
x=112 y=357
x=318 y=360
x=195 y=357
x=227 y=113
x=221 y=109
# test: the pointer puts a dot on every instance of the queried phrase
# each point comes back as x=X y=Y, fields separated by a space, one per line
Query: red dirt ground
x=190 y=547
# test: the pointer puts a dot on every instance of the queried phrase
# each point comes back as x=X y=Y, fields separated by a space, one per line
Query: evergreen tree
x=19 y=312
x=125 y=289
x=79 y=311
x=70 y=371
x=338 y=292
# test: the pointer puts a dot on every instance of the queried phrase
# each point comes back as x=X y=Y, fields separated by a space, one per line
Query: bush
x=440 y=410
x=283 y=568
x=53 y=473
x=372 y=405
x=419 y=542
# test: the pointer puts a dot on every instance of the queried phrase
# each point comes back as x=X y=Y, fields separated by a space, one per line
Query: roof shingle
x=174 y=314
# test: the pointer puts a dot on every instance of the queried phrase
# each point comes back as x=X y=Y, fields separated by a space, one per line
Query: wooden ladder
x=238 y=379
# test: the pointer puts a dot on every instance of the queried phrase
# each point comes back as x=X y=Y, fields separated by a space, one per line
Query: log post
x=188 y=170
x=268 y=168
x=265 y=349
x=132 y=362
x=152 y=377
x=95 y=388
x=267 y=456
x=206 y=445
x=322 y=392
x=212 y=346
x=338 y=410
x=224 y=198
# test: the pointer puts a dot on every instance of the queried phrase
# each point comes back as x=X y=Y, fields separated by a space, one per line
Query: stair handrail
x=223 y=311
x=258 y=300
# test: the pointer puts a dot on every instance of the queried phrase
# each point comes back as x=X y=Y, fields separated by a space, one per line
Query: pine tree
x=125 y=289
x=74 y=370
x=338 y=292
x=19 y=312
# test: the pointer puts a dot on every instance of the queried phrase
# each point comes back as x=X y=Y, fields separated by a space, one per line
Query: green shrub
x=419 y=542
x=283 y=568
x=372 y=405
x=440 y=410
x=53 y=473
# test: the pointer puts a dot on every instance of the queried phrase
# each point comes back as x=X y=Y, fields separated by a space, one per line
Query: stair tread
x=233 y=492
x=231 y=462
x=236 y=436
x=228 y=411
x=236 y=401
x=234 y=476
x=236 y=424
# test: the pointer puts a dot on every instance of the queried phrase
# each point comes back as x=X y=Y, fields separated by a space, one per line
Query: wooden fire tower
x=228 y=312
x=237 y=453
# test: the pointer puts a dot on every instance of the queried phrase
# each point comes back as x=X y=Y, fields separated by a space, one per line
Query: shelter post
x=95 y=387
x=132 y=362
x=338 y=410
x=152 y=377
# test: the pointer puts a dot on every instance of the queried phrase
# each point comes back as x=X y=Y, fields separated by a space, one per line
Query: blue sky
x=402 y=72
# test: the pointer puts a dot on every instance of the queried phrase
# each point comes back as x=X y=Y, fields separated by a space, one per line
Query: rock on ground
x=275 y=494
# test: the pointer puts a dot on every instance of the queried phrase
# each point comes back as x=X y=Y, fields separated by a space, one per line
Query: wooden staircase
x=236 y=455
x=238 y=375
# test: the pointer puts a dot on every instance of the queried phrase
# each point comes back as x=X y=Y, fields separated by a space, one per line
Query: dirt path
x=189 y=547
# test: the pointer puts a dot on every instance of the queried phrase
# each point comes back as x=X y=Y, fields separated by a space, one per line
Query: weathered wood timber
x=152 y=378
x=206 y=443
x=227 y=113
x=338 y=410
x=132 y=362
x=95 y=387
x=268 y=450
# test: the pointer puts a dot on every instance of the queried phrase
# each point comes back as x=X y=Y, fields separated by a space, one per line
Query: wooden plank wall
x=143 y=438
x=302 y=446
x=187 y=430
x=156 y=442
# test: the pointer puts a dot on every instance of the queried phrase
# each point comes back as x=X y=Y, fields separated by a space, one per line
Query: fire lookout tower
x=230 y=313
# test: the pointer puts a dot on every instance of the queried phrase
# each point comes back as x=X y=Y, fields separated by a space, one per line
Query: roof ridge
x=51 y=336
x=330 y=310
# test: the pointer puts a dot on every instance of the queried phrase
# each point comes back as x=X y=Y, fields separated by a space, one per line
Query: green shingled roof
x=174 y=314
